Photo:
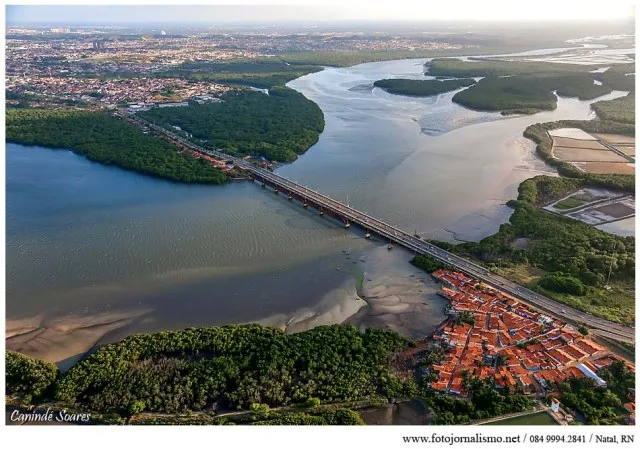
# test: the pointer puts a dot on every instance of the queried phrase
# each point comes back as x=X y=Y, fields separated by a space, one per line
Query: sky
x=459 y=10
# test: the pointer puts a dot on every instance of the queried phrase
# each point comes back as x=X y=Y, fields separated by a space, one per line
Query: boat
x=389 y=246
x=367 y=235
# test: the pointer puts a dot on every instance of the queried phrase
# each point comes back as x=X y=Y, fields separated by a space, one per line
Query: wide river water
x=85 y=240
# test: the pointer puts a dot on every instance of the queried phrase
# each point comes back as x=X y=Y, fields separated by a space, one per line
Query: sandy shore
x=65 y=339
x=335 y=308
x=394 y=295
x=399 y=296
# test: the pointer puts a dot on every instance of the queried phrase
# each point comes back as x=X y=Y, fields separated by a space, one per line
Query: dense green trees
x=109 y=140
x=340 y=417
x=619 y=110
x=421 y=88
x=619 y=77
x=601 y=406
x=526 y=87
x=486 y=402
x=428 y=263
x=528 y=93
x=27 y=377
x=279 y=126
x=234 y=366
x=565 y=284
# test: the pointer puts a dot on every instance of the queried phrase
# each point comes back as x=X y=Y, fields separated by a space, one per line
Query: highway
x=316 y=199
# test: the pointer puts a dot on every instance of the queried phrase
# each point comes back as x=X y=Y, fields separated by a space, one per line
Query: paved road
x=597 y=325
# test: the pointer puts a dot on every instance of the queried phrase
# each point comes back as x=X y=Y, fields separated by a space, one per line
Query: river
x=95 y=253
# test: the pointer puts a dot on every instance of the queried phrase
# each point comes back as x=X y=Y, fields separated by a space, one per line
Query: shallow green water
x=537 y=419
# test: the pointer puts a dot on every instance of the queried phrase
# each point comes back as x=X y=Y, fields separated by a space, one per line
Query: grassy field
x=616 y=304
x=568 y=203
x=536 y=419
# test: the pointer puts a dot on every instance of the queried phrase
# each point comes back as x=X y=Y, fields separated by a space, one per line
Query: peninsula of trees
x=422 y=88
x=234 y=367
x=109 y=140
x=279 y=125
x=247 y=367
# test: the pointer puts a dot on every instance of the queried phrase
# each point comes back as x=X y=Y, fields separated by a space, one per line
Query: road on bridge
x=598 y=325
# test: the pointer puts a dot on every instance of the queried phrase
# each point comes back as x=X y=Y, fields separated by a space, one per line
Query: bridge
x=349 y=216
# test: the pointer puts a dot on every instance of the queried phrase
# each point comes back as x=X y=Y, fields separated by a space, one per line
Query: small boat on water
x=367 y=235
x=389 y=246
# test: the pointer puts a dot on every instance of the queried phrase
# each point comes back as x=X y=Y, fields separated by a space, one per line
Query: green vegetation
x=340 y=417
x=619 y=110
x=503 y=94
x=568 y=203
x=525 y=87
x=570 y=258
x=496 y=67
x=109 y=140
x=465 y=317
x=535 y=419
x=258 y=73
x=234 y=366
x=421 y=88
x=428 y=263
x=528 y=93
x=27 y=377
x=311 y=403
x=618 y=77
x=560 y=283
x=279 y=126
x=601 y=406
x=486 y=402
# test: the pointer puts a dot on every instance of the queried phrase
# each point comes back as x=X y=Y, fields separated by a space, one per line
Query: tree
x=28 y=377
x=136 y=407
x=312 y=403
x=261 y=410
x=583 y=330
